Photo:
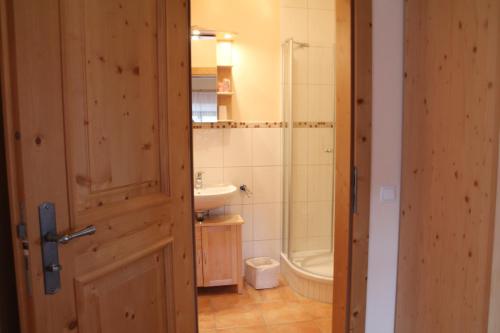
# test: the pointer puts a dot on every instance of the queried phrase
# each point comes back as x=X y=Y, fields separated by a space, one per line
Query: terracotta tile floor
x=278 y=310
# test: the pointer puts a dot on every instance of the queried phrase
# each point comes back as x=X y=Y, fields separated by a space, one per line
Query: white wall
x=494 y=320
x=256 y=52
x=311 y=22
x=386 y=163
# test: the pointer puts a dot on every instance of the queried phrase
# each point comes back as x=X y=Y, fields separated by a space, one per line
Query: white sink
x=210 y=197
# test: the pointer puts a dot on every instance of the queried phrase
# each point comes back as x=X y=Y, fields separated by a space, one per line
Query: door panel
x=129 y=296
x=120 y=69
x=111 y=67
x=102 y=121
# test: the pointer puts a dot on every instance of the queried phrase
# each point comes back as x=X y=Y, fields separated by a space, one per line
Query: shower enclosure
x=308 y=159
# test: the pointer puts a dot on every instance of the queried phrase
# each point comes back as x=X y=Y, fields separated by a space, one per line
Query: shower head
x=295 y=43
x=300 y=44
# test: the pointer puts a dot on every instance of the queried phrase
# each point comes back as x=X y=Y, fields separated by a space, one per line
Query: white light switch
x=387 y=193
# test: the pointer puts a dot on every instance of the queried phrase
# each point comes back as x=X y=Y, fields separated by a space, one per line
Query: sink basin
x=210 y=197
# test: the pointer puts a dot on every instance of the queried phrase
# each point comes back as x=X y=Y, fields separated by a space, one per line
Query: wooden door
x=343 y=167
x=353 y=82
x=98 y=123
x=220 y=251
x=450 y=148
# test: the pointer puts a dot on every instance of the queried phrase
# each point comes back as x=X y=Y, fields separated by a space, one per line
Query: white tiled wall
x=250 y=156
x=313 y=22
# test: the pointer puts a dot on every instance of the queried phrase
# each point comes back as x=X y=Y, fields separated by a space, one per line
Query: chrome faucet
x=198 y=180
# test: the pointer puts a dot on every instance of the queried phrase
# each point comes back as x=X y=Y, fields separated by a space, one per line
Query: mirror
x=211 y=62
x=204 y=98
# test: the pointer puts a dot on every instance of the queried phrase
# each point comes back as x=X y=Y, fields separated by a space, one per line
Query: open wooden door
x=97 y=123
x=353 y=79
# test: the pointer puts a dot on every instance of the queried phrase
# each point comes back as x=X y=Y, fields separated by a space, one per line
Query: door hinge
x=354 y=198
x=21 y=231
x=21 y=227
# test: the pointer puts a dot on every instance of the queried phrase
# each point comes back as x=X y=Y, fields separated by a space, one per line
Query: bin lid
x=262 y=262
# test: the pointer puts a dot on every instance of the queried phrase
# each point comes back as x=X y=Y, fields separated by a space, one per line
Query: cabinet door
x=220 y=255
x=199 y=257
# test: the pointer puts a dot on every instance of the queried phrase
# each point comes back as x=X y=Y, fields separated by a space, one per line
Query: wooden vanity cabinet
x=199 y=256
x=219 y=252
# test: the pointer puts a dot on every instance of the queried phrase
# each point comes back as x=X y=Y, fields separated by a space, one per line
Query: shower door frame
x=353 y=79
x=288 y=140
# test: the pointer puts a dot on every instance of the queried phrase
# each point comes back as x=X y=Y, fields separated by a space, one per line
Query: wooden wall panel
x=451 y=122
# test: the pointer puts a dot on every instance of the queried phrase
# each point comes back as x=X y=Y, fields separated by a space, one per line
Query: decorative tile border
x=313 y=124
x=210 y=125
x=267 y=124
x=239 y=124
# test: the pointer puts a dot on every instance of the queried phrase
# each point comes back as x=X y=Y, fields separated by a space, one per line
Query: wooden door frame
x=353 y=79
x=10 y=151
x=353 y=100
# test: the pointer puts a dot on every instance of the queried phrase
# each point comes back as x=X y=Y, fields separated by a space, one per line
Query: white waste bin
x=262 y=272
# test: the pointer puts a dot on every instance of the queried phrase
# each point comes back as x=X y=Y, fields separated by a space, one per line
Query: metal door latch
x=65 y=239
x=50 y=245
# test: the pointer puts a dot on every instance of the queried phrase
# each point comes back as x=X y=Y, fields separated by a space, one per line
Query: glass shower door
x=308 y=147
